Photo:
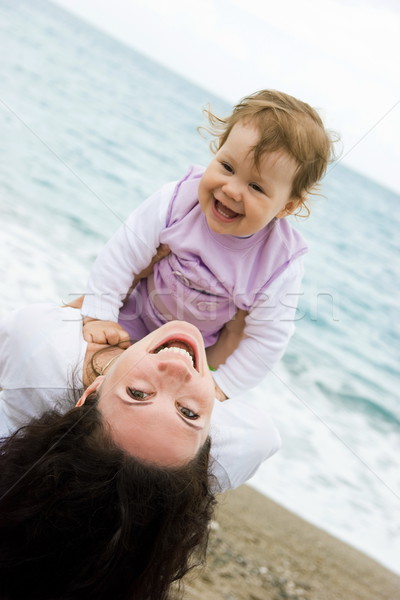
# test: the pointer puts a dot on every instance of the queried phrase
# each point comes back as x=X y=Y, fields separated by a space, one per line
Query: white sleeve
x=128 y=252
x=41 y=361
x=269 y=327
x=243 y=436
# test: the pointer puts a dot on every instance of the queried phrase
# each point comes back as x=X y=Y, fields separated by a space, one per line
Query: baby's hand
x=105 y=332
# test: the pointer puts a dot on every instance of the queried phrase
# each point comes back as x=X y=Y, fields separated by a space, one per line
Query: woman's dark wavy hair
x=82 y=519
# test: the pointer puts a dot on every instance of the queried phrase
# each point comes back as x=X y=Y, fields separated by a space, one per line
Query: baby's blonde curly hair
x=284 y=123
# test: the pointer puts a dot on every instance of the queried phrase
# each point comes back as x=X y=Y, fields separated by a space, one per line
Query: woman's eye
x=189 y=414
x=227 y=167
x=137 y=394
x=256 y=187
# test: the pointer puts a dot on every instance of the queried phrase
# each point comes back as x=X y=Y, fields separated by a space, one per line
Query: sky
x=340 y=56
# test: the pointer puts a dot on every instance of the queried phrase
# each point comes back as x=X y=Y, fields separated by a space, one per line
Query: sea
x=90 y=128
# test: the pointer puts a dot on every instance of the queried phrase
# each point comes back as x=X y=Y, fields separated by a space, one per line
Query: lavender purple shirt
x=204 y=280
x=208 y=276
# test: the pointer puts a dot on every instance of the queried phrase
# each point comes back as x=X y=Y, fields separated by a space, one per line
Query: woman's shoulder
x=40 y=343
x=24 y=318
x=41 y=357
x=16 y=327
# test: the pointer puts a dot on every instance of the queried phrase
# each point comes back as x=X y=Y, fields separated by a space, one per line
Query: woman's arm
x=229 y=339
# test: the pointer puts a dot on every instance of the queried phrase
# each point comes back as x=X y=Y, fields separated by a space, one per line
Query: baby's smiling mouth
x=178 y=347
x=224 y=211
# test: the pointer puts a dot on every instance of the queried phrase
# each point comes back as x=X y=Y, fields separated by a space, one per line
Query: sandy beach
x=260 y=551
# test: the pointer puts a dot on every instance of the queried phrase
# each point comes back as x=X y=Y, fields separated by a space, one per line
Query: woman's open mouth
x=178 y=347
x=223 y=213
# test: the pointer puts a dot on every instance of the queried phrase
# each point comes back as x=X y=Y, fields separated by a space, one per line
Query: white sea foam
x=334 y=469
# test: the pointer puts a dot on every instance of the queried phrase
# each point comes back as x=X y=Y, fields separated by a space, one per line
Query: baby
x=231 y=245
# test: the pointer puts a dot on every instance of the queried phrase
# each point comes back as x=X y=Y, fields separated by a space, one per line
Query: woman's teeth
x=177 y=351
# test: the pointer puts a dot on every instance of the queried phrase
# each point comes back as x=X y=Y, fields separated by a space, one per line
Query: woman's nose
x=176 y=368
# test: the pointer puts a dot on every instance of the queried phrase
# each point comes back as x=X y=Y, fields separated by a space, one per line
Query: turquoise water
x=89 y=129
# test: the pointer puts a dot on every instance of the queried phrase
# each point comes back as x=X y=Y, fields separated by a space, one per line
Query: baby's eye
x=189 y=414
x=256 y=187
x=227 y=167
x=137 y=394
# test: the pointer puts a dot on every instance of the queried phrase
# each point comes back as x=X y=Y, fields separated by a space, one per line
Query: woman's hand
x=162 y=251
x=229 y=339
x=105 y=332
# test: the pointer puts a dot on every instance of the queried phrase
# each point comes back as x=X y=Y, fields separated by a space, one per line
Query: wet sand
x=260 y=551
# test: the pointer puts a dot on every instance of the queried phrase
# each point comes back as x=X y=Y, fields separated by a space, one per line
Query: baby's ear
x=290 y=207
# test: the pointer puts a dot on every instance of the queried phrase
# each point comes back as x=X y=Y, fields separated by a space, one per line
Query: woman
x=43 y=357
x=112 y=498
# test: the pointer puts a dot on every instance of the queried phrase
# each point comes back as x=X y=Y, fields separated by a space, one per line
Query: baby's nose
x=176 y=368
x=233 y=191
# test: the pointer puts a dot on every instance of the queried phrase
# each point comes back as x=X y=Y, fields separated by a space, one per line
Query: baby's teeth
x=222 y=212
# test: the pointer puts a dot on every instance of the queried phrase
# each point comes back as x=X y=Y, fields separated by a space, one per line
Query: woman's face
x=158 y=396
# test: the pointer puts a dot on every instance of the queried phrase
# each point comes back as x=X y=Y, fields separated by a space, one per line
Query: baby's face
x=235 y=196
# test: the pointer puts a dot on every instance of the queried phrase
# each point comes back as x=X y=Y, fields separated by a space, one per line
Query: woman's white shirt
x=41 y=359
